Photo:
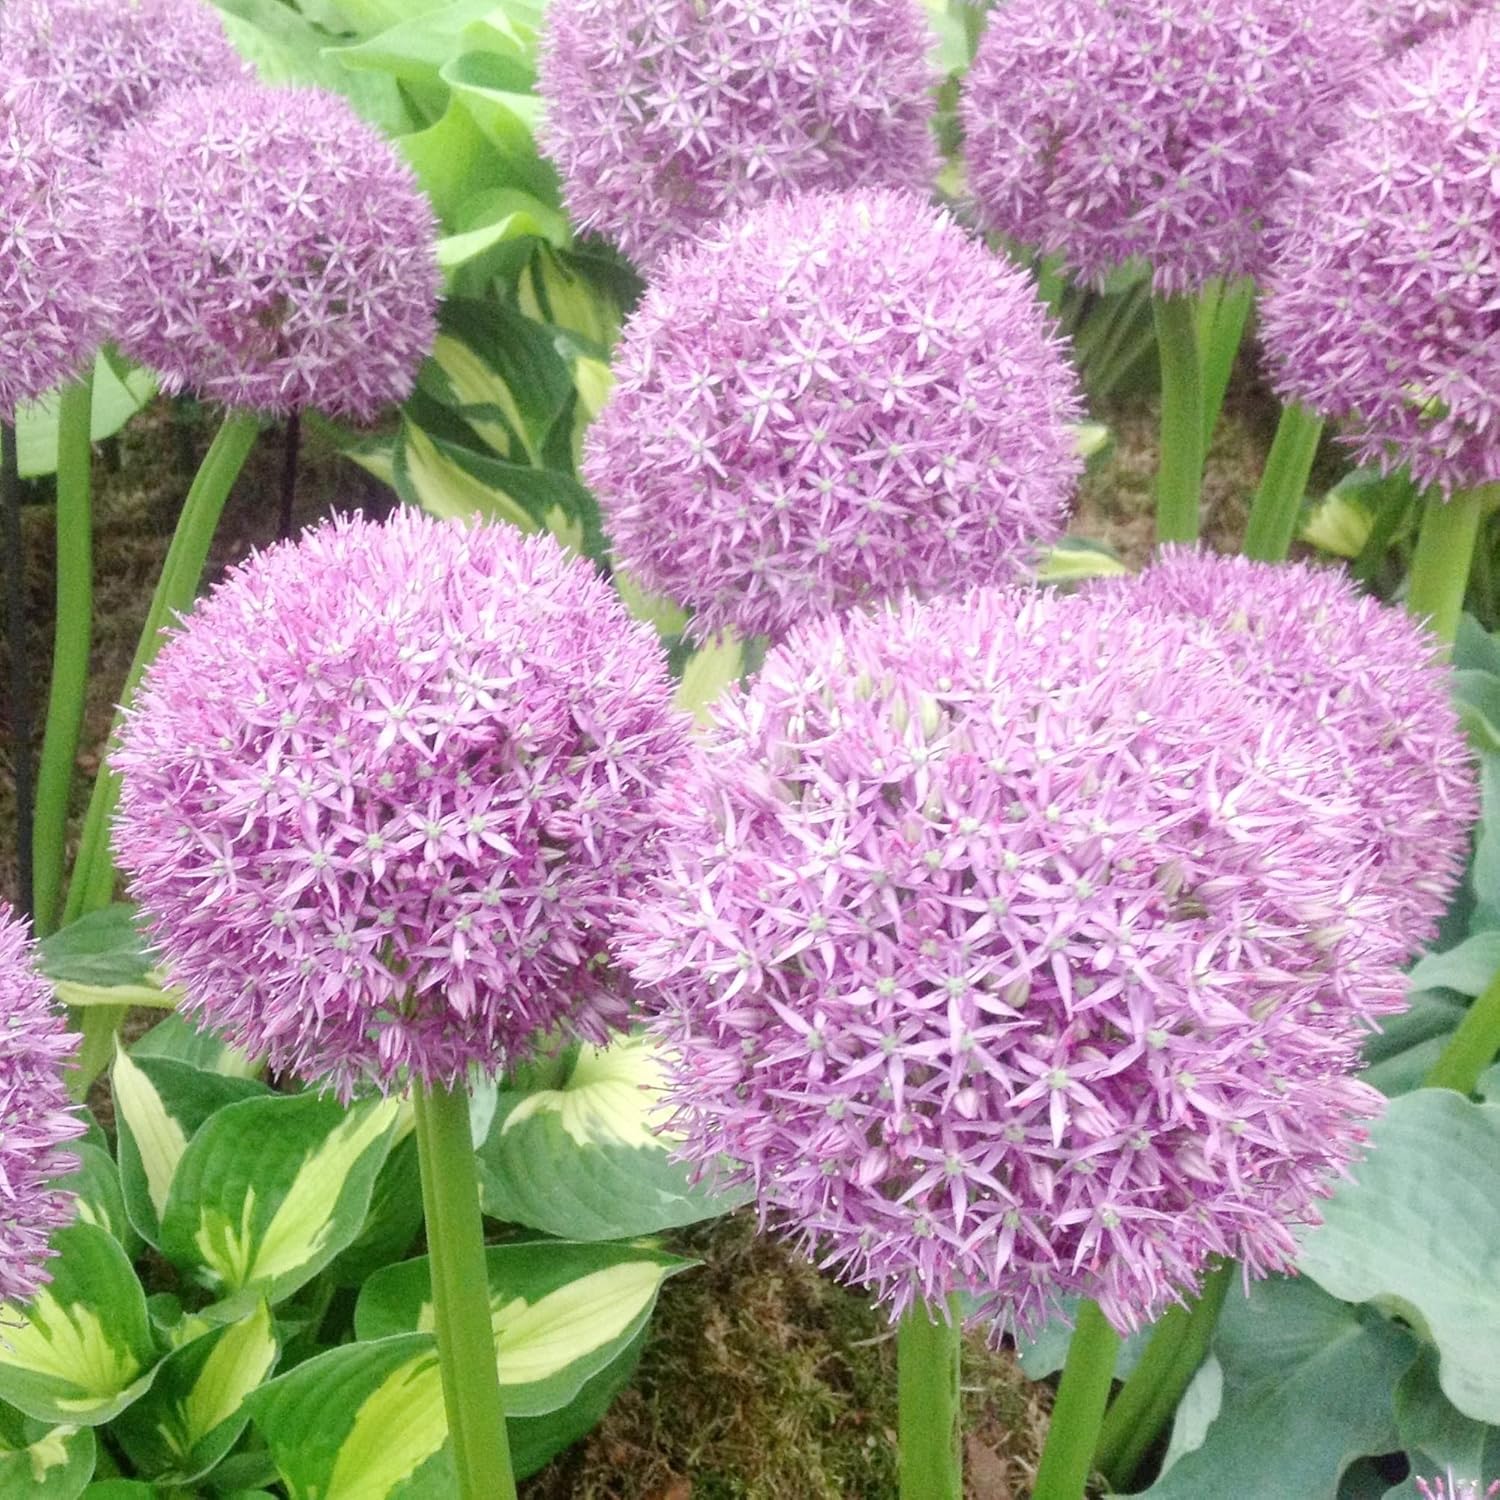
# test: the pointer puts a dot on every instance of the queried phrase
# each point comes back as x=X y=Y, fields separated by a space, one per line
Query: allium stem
x=1220 y=337
x=1273 y=514
x=20 y=656
x=1180 y=472
x=1150 y=1395
x=928 y=1348
x=93 y=882
x=291 y=450
x=1472 y=1047
x=1445 y=551
x=1067 y=1459
x=460 y=1295
x=72 y=631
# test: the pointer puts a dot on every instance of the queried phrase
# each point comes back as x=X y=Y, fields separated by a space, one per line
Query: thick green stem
x=927 y=1362
x=1220 y=337
x=461 y=1297
x=1283 y=483
x=72 y=632
x=1445 y=551
x=1472 y=1048
x=93 y=882
x=1180 y=473
x=1145 y=1403
x=1067 y=1459
x=20 y=655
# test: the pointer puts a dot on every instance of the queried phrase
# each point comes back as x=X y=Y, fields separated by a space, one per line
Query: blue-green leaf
x=43 y=1462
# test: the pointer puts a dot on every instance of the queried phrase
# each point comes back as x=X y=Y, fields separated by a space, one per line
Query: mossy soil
x=761 y=1379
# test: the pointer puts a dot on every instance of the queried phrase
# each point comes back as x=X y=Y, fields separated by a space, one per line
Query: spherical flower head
x=830 y=400
x=272 y=252
x=36 y=1118
x=999 y=952
x=1380 y=305
x=107 y=63
x=1363 y=677
x=50 y=316
x=665 y=115
x=1106 y=130
x=384 y=791
x=1456 y=1489
x=1401 y=24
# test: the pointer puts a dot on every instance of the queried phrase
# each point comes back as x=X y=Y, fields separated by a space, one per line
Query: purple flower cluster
x=663 y=115
x=1380 y=309
x=831 y=399
x=385 y=792
x=36 y=1120
x=1007 y=948
x=50 y=317
x=1105 y=130
x=272 y=252
x=1367 y=680
x=1456 y=1489
x=1401 y=24
x=107 y=63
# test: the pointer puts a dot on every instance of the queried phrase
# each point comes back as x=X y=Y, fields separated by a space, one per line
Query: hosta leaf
x=179 y=1041
x=1399 y=1055
x=98 y=1196
x=194 y=1412
x=1416 y=1231
x=102 y=959
x=453 y=159
x=496 y=91
x=1308 y=1387
x=159 y=1105
x=582 y=1160
x=708 y=673
x=82 y=1350
x=392 y=1222
x=42 y=1462
x=561 y=1312
x=1467 y=968
x=1436 y=1435
x=270 y=1189
x=118 y=396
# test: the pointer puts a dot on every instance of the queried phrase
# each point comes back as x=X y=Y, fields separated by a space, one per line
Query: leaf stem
x=928 y=1350
x=1180 y=467
x=1445 y=550
x=460 y=1295
x=1472 y=1047
x=1283 y=482
x=1067 y=1459
x=72 y=634
x=20 y=657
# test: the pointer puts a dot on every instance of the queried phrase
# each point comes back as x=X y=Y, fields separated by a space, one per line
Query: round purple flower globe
x=664 y=115
x=1402 y=24
x=50 y=317
x=1366 y=678
x=1380 y=306
x=271 y=252
x=1106 y=130
x=36 y=1118
x=832 y=399
x=107 y=63
x=385 y=792
x=998 y=952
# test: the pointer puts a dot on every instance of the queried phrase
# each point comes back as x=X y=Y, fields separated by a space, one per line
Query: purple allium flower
x=1365 y=677
x=1104 y=130
x=833 y=398
x=664 y=115
x=49 y=309
x=1456 y=1489
x=1381 y=309
x=36 y=1119
x=1006 y=948
x=384 y=792
x=107 y=63
x=272 y=251
x=1401 y=24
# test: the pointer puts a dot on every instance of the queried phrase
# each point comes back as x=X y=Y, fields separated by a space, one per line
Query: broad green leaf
x=561 y=1312
x=556 y=288
x=392 y=1223
x=1416 y=1232
x=1068 y=563
x=1045 y=1353
x=654 y=609
x=582 y=1160
x=1399 y=1055
x=1476 y=695
x=496 y=91
x=1200 y=1404
x=116 y=400
x=159 y=1105
x=1436 y=1435
x=453 y=159
x=1468 y=968
x=194 y=1412
x=426 y=475
x=516 y=214
x=1474 y=648
x=1308 y=1388
x=180 y=1041
x=270 y=1189
x=102 y=959
x=371 y=17
x=709 y=671
x=414 y=41
x=98 y=1196
x=82 y=1351
x=42 y=1462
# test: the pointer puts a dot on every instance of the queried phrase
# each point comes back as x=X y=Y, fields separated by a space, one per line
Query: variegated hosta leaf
x=101 y=959
x=178 y=1041
x=583 y=1160
x=159 y=1105
x=194 y=1412
x=270 y=1189
x=43 y=1462
x=96 y=1192
x=82 y=1351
